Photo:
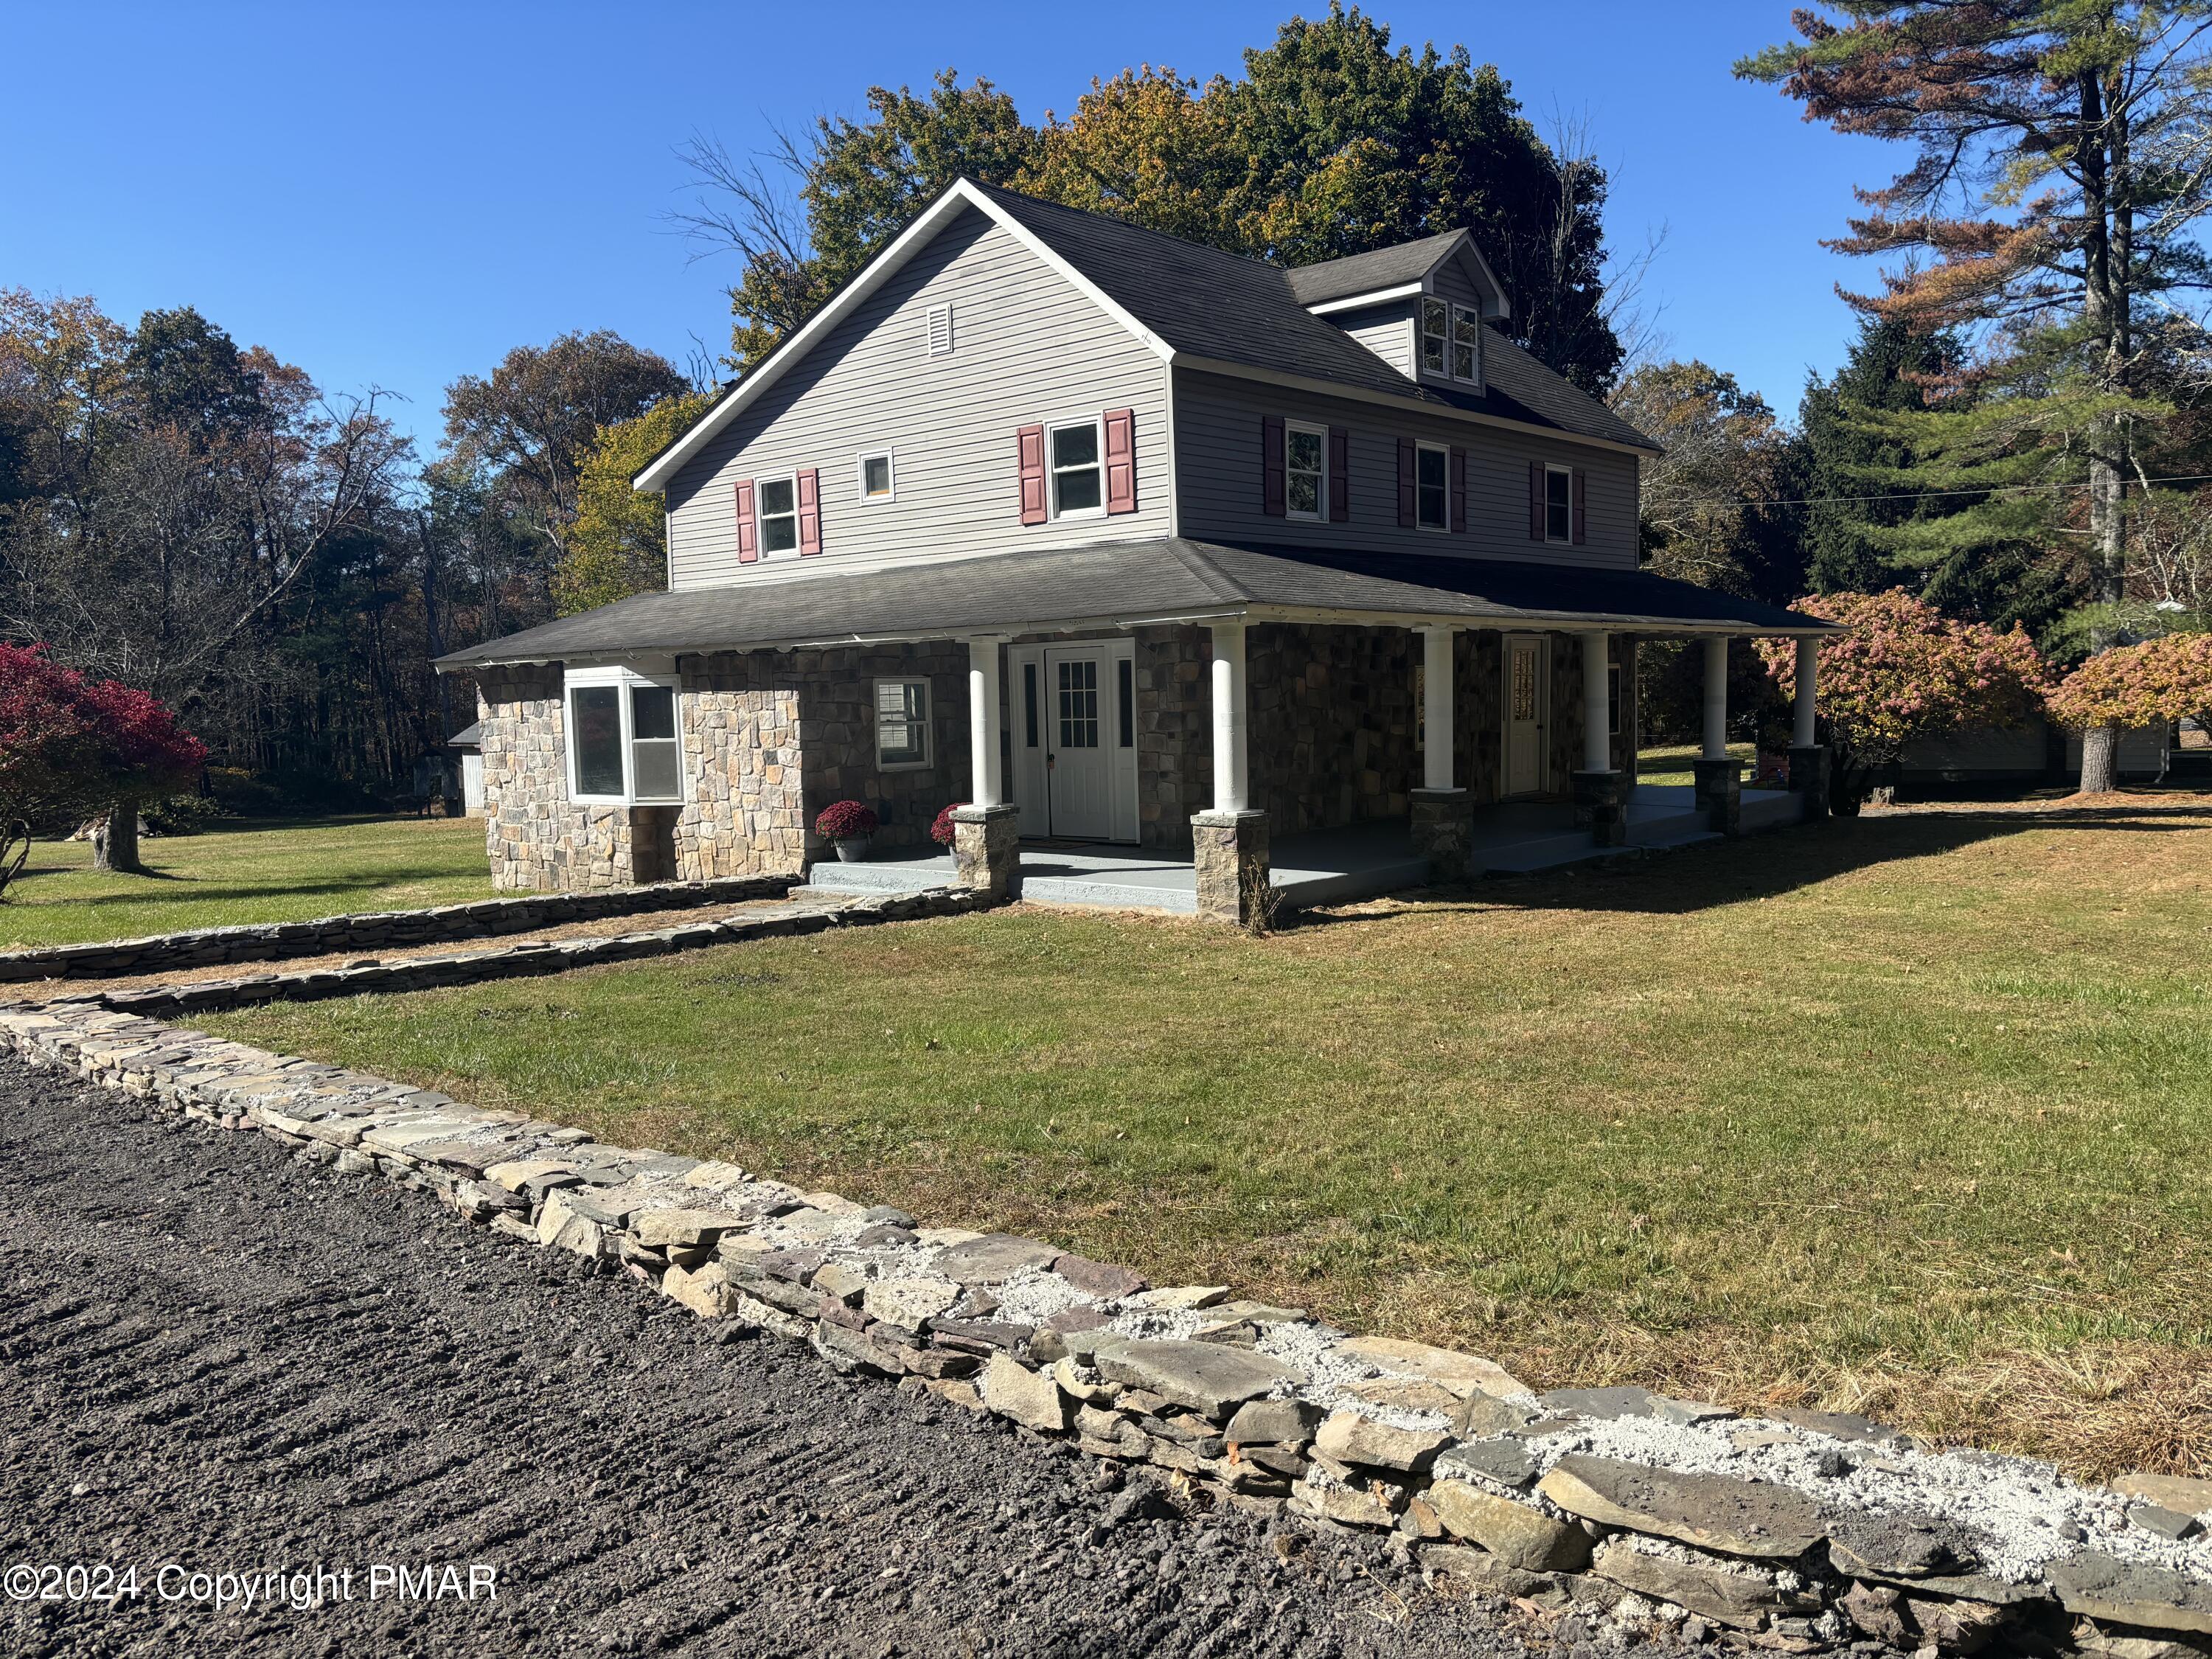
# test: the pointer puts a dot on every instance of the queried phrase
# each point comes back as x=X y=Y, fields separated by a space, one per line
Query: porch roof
x=1127 y=584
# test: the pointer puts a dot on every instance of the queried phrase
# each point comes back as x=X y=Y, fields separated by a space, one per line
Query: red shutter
x=1271 y=465
x=1582 y=526
x=810 y=512
x=1120 y=460
x=1029 y=440
x=1404 y=483
x=747 y=526
x=1535 y=501
x=1459 y=492
x=1339 y=475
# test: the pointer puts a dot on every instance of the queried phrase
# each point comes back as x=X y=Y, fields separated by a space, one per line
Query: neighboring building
x=1181 y=546
x=2020 y=757
x=467 y=744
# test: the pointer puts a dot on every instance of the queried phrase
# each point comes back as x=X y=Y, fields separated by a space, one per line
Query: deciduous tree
x=618 y=545
x=1903 y=671
x=2151 y=683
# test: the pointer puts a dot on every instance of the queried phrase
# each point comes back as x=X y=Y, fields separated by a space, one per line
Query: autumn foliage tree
x=1904 y=671
x=70 y=746
x=2061 y=163
x=2148 y=684
x=619 y=543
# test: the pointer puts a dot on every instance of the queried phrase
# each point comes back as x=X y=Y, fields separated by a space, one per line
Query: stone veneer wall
x=536 y=838
x=1333 y=724
x=1174 y=733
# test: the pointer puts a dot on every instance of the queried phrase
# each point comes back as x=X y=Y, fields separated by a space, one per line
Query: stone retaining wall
x=1798 y=1532
x=530 y=958
x=274 y=941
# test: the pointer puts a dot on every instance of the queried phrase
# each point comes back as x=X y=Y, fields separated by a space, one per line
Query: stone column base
x=1230 y=852
x=1808 y=776
x=1443 y=831
x=1602 y=803
x=1720 y=793
x=986 y=853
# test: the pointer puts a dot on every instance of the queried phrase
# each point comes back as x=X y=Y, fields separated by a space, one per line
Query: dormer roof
x=1395 y=272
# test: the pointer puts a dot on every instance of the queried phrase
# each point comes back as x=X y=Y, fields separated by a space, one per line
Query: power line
x=1984 y=489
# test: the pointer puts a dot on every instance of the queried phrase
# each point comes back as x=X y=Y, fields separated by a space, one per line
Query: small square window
x=1558 y=504
x=902 y=723
x=1432 y=488
x=1436 y=328
x=1078 y=484
x=779 y=515
x=1467 y=343
x=1305 y=493
x=876 y=478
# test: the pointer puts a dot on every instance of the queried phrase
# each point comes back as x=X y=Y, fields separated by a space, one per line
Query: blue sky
x=394 y=194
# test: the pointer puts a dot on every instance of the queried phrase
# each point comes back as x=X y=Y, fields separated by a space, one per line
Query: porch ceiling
x=1127 y=584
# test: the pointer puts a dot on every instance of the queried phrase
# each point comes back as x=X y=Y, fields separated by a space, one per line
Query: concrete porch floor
x=1321 y=867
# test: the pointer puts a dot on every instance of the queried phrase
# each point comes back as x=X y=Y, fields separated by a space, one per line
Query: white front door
x=1080 y=741
x=1524 y=715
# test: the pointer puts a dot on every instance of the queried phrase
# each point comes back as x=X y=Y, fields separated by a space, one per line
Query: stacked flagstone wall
x=1799 y=1532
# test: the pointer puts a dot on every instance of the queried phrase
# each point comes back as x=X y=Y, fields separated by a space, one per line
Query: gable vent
x=940 y=329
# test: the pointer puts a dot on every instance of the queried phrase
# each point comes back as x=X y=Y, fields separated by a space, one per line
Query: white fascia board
x=959 y=196
x=1358 y=301
x=1543 y=621
x=1362 y=395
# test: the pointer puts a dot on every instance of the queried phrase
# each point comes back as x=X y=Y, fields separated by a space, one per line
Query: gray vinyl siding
x=1028 y=347
x=1388 y=331
x=1217 y=460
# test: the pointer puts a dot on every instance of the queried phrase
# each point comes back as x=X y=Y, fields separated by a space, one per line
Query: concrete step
x=834 y=877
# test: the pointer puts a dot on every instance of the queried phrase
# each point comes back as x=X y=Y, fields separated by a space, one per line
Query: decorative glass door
x=1524 y=715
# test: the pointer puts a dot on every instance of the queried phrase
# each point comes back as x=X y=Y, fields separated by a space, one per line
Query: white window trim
x=1451 y=343
x=622 y=677
x=890 y=458
x=1096 y=423
x=1552 y=468
x=1319 y=515
x=1421 y=335
x=761 y=516
x=929 y=721
x=1420 y=446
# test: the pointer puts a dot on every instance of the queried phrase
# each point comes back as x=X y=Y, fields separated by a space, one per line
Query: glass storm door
x=1079 y=743
x=1524 y=716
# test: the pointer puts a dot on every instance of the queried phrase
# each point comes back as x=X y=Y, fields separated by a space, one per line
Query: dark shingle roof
x=1223 y=306
x=1162 y=579
x=1370 y=273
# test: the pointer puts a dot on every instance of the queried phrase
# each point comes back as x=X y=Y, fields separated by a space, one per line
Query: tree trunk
x=115 y=840
x=2100 y=760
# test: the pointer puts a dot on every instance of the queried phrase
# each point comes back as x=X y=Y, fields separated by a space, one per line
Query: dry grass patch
x=1906 y=1113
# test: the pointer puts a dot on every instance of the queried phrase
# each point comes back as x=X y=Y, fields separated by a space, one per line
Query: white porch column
x=1808 y=662
x=1232 y=769
x=1717 y=698
x=1436 y=755
x=988 y=785
x=1597 y=732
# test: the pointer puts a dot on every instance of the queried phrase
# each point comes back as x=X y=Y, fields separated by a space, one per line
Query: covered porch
x=1328 y=866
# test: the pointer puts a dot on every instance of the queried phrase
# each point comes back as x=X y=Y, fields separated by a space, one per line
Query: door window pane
x=1079 y=704
x=1435 y=497
x=595 y=711
x=1524 y=684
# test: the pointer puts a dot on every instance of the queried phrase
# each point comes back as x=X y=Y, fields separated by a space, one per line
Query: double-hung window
x=779 y=514
x=624 y=746
x=1558 y=504
x=1466 y=343
x=1078 y=485
x=1436 y=335
x=1432 y=487
x=1305 y=471
x=902 y=723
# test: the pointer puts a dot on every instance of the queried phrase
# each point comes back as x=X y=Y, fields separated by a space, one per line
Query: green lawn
x=246 y=870
x=1909 y=1113
x=1671 y=765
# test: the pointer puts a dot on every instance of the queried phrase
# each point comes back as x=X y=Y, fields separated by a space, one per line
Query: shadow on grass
x=330 y=886
x=1709 y=874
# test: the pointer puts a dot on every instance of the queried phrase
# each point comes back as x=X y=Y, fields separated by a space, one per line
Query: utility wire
x=1984 y=489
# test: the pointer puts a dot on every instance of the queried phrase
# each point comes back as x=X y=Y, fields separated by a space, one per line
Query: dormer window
x=1436 y=335
x=1467 y=343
